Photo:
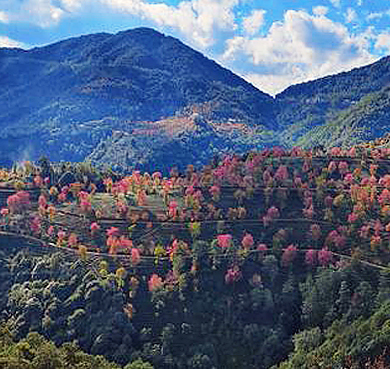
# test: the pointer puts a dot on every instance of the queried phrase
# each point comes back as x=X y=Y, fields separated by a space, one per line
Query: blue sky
x=270 y=43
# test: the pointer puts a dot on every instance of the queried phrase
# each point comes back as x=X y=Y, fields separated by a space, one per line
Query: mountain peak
x=95 y=84
x=144 y=31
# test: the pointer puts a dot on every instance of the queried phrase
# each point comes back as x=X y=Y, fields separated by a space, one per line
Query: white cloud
x=44 y=13
x=351 y=15
x=378 y=15
x=197 y=19
x=8 y=42
x=273 y=84
x=254 y=22
x=374 y=15
x=320 y=10
x=300 y=48
x=72 y=5
x=359 y=2
x=3 y=17
x=336 y=3
x=234 y=47
x=383 y=42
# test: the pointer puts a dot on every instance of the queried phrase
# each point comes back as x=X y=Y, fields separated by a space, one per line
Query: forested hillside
x=277 y=258
x=336 y=110
x=63 y=99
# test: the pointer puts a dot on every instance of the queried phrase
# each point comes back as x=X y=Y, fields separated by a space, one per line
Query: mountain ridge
x=151 y=31
x=290 y=89
x=67 y=99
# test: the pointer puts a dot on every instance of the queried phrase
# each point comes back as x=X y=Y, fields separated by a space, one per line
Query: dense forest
x=272 y=259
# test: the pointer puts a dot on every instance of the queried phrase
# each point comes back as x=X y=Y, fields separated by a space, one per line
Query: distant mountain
x=142 y=99
x=341 y=109
x=63 y=99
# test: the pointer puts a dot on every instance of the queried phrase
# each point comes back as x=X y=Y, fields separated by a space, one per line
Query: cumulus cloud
x=374 y=15
x=3 y=17
x=378 y=15
x=254 y=22
x=44 y=13
x=351 y=15
x=198 y=20
x=8 y=42
x=274 y=83
x=383 y=42
x=71 y=5
x=303 y=47
x=336 y=3
x=320 y=10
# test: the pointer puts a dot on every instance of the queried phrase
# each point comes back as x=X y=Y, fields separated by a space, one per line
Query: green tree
x=344 y=301
x=384 y=288
x=139 y=364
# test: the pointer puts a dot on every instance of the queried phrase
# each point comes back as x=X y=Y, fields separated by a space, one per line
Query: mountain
x=342 y=109
x=141 y=99
x=63 y=99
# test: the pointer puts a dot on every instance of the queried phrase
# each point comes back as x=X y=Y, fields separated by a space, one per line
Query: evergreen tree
x=384 y=287
x=344 y=301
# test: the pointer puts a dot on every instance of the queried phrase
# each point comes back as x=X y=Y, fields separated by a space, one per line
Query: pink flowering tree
x=224 y=240
x=19 y=202
x=155 y=283
x=311 y=258
x=233 y=275
x=95 y=227
x=289 y=255
x=262 y=250
x=215 y=192
x=135 y=256
x=324 y=257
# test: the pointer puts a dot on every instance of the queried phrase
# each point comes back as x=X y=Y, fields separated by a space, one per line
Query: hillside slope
x=338 y=102
x=366 y=120
x=63 y=99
